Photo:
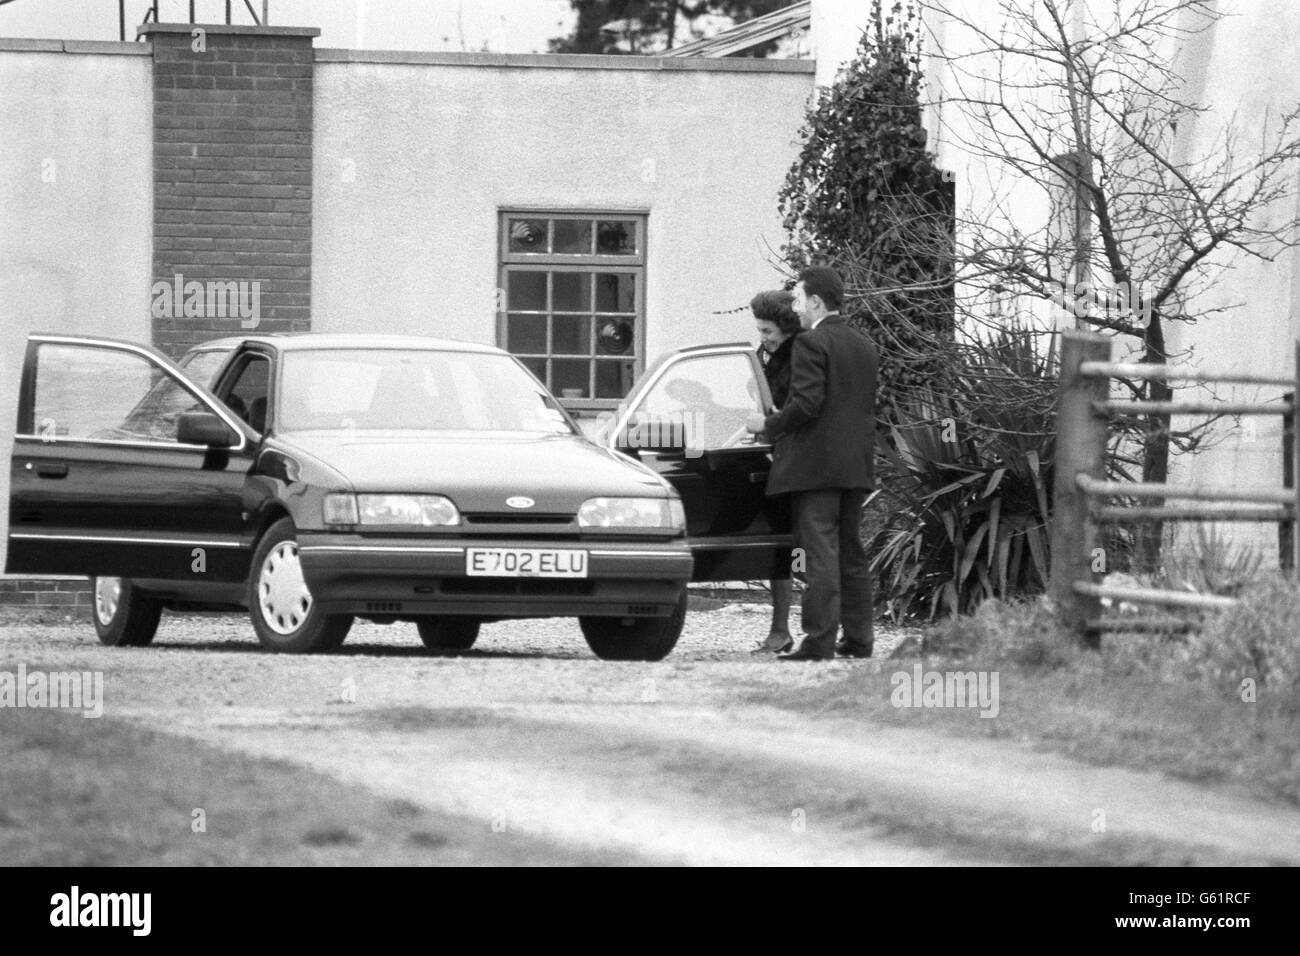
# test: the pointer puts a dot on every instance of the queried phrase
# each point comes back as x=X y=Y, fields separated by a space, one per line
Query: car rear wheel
x=634 y=638
x=285 y=616
x=448 y=633
x=123 y=616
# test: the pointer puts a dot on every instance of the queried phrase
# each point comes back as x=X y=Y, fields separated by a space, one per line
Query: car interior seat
x=257 y=414
x=399 y=401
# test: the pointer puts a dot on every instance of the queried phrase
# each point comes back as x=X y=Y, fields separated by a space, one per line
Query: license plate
x=525 y=563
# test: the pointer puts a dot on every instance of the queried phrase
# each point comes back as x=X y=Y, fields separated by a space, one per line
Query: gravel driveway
x=679 y=761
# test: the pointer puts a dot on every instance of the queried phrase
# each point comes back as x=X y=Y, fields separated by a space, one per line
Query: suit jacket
x=823 y=436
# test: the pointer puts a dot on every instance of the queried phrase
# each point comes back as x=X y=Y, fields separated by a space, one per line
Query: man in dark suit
x=822 y=448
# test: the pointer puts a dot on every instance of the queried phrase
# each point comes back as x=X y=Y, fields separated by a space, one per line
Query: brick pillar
x=232 y=116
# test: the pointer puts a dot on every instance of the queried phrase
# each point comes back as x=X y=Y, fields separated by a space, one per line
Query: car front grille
x=536 y=587
x=483 y=517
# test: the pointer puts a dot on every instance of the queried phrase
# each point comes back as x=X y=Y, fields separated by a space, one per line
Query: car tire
x=123 y=616
x=634 y=639
x=285 y=617
x=448 y=633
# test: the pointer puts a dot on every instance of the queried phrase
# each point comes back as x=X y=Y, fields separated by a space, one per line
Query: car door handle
x=52 y=469
x=757 y=476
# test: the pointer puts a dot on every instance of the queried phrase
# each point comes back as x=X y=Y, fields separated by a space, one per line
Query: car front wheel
x=448 y=633
x=285 y=616
x=634 y=638
x=123 y=616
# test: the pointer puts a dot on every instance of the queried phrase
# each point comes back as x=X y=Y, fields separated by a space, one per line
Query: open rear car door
x=686 y=420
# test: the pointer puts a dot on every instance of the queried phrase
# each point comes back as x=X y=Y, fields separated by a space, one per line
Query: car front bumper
x=403 y=577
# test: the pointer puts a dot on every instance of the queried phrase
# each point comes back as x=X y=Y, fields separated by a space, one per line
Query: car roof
x=303 y=341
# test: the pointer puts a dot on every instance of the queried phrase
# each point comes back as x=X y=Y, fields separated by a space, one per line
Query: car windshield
x=382 y=389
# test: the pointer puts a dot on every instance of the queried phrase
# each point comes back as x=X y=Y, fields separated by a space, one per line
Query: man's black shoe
x=801 y=655
x=845 y=649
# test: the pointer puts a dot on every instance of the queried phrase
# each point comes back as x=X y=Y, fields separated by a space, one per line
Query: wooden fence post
x=1286 y=528
x=1080 y=449
x=1295 y=468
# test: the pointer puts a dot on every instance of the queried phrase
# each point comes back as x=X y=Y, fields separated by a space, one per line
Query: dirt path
x=747 y=788
x=670 y=761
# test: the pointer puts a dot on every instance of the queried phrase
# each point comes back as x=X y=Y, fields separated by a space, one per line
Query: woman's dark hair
x=776 y=306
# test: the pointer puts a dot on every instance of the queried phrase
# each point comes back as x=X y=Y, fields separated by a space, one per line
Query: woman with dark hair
x=777 y=325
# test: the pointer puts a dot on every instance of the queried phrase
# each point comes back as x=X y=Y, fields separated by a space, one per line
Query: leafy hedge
x=866 y=197
x=966 y=437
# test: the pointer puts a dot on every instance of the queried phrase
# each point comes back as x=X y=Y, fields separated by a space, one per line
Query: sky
x=500 y=26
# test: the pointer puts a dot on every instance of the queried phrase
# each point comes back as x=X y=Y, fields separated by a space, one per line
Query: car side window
x=85 y=392
x=699 y=401
x=202 y=367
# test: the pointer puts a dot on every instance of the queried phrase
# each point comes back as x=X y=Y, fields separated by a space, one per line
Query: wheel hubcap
x=282 y=590
x=108 y=591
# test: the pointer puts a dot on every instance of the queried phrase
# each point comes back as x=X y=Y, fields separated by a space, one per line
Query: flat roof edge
x=567 y=61
x=554 y=61
x=227 y=29
x=110 y=47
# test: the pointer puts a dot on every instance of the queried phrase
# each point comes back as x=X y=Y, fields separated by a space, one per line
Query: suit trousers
x=837 y=583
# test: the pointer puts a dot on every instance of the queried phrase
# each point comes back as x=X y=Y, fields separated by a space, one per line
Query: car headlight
x=427 y=511
x=340 y=509
x=632 y=513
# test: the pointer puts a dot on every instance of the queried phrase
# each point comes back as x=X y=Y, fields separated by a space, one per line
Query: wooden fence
x=1081 y=489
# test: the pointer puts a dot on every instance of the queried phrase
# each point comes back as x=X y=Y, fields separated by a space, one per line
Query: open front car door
x=122 y=466
x=686 y=420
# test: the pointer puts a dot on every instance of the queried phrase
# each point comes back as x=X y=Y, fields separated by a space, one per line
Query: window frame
x=234 y=371
x=27 y=429
x=584 y=263
x=614 y=437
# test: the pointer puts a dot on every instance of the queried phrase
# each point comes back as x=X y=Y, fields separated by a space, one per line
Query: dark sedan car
x=313 y=479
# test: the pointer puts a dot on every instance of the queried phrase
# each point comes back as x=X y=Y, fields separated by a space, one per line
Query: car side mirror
x=204 y=428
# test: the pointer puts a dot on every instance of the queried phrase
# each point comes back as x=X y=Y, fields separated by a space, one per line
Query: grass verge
x=1221 y=705
x=79 y=792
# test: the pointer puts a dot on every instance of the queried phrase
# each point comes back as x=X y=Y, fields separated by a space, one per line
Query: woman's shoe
x=776 y=643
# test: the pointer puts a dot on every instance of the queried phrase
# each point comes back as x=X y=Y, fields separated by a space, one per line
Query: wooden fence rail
x=1084 y=408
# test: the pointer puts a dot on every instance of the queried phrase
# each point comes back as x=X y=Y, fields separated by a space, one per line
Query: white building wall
x=1242 y=67
x=416 y=154
x=836 y=29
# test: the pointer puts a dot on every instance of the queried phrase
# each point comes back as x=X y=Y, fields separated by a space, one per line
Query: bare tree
x=1074 y=108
